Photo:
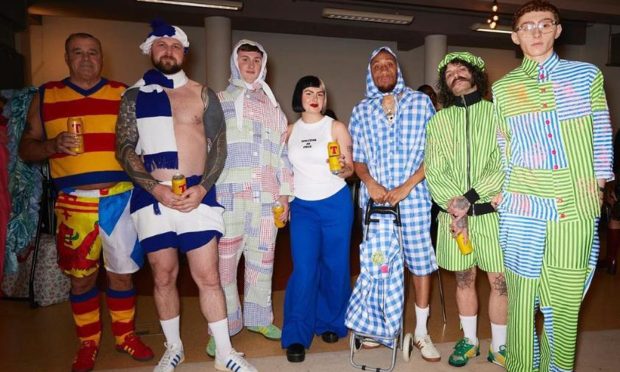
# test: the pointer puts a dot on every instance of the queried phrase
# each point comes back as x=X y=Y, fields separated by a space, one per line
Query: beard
x=167 y=65
x=387 y=87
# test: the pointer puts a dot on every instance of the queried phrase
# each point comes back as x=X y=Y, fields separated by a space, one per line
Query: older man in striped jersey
x=555 y=131
x=92 y=205
x=464 y=173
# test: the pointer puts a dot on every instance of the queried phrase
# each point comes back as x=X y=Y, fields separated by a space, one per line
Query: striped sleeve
x=602 y=132
x=503 y=137
x=440 y=183
x=490 y=182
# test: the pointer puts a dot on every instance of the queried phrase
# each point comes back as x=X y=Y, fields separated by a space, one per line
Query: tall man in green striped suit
x=556 y=135
x=464 y=173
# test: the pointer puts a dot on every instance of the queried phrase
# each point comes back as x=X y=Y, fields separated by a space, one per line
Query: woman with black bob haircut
x=320 y=225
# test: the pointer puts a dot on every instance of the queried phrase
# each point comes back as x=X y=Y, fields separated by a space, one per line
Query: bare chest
x=187 y=108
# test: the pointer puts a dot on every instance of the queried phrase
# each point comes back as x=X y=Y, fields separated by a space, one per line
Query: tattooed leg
x=498 y=298
x=466 y=299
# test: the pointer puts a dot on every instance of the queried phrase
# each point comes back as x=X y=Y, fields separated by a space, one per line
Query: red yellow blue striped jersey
x=98 y=108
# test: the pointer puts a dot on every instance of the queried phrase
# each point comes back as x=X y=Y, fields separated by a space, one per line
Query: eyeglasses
x=545 y=27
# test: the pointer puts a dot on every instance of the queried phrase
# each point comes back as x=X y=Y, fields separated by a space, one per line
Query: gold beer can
x=277 y=210
x=333 y=151
x=465 y=248
x=179 y=184
x=75 y=126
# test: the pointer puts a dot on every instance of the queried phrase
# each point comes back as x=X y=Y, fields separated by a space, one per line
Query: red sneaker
x=85 y=359
x=133 y=346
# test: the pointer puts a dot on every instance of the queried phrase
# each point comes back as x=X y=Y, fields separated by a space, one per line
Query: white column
x=219 y=46
x=435 y=48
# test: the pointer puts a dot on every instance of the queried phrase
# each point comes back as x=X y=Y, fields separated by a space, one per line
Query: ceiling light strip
x=499 y=29
x=211 y=4
x=355 y=15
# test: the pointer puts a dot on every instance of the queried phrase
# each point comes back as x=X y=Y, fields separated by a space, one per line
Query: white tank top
x=307 y=152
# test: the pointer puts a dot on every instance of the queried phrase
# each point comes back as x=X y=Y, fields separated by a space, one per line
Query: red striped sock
x=122 y=307
x=85 y=308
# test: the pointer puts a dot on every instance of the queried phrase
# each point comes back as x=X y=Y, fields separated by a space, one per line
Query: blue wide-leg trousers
x=318 y=290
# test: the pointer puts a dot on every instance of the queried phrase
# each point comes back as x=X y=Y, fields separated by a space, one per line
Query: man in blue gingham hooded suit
x=388 y=131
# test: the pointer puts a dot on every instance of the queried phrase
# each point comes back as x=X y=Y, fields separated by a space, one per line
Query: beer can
x=465 y=248
x=179 y=184
x=333 y=152
x=75 y=126
x=278 y=209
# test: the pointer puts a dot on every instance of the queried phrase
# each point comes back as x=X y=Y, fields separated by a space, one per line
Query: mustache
x=457 y=80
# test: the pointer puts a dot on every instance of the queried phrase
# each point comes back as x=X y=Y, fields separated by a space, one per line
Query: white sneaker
x=173 y=356
x=369 y=343
x=234 y=362
x=427 y=349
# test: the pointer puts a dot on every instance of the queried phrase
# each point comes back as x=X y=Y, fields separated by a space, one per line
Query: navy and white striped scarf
x=157 y=142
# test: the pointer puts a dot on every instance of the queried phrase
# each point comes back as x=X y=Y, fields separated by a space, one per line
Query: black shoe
x=330 y=337
x=296 y=353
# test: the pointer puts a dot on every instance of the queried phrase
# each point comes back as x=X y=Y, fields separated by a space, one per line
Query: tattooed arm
x=215 y=133
x=126 y=141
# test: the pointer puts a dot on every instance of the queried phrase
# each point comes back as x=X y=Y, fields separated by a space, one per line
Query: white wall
x=596 y=53
x=122 y=59
x=341 y=63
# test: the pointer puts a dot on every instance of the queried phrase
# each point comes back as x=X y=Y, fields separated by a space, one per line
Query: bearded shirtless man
x=168 y=125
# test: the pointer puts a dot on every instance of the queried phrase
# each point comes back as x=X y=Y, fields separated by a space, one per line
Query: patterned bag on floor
x=51 y=286
x=15 y=284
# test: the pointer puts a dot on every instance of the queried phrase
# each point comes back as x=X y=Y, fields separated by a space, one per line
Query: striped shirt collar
x=533 y=68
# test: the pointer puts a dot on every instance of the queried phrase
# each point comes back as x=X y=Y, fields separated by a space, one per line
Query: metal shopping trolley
x=377 y=305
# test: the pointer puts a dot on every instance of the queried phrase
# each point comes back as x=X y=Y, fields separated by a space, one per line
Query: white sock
x=171 y=330
x=421 y=317
x=469 y=324
x=219 y=330
x=498 y=336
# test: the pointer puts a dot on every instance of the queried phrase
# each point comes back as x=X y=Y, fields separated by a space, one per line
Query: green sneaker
x=270 y=332
x=210 y=349
x=463 y=351
x=498 y=358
